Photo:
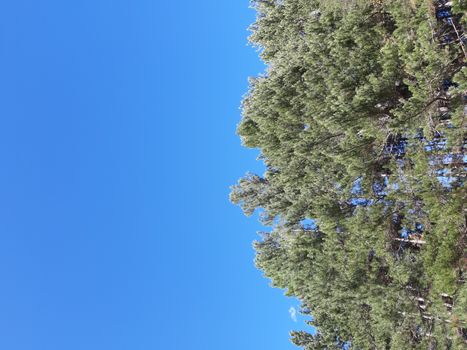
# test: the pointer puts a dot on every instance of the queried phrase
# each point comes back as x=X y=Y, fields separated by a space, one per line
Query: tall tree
x=360 y=120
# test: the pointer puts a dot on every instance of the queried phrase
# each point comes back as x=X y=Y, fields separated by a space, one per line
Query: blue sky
x=117 y=147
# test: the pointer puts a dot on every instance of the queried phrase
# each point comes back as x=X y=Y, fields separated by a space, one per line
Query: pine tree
x=360 y=120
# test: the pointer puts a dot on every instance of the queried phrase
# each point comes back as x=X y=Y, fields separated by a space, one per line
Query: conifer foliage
x=360 y=118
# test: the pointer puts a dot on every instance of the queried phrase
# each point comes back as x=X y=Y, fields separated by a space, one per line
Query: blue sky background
x=117 y=148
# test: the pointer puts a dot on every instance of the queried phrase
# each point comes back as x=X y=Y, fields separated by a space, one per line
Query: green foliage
x=350 y=118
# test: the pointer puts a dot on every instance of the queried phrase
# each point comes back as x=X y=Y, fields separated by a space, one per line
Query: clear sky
x=117 y=148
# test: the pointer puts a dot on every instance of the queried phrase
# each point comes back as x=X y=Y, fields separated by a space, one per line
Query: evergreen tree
x=360 y=118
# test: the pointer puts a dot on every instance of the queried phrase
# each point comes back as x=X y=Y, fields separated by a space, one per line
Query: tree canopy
x=360 y=118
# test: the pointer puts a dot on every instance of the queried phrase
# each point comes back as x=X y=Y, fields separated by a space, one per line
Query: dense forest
x=360 y=119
